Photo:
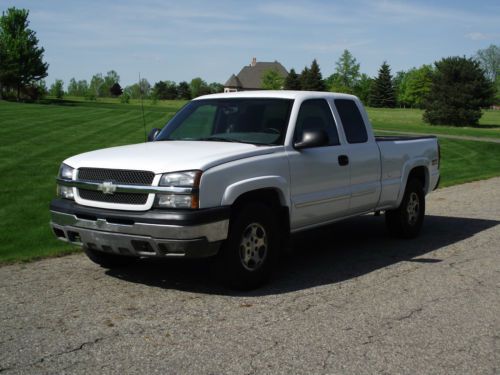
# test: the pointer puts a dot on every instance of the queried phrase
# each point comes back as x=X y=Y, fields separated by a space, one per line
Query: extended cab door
x=319 y=177
x=363 y=154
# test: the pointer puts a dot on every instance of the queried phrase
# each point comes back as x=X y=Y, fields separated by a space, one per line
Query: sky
x=180 y=40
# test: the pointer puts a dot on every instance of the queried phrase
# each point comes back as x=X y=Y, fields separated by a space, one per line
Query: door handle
x=343 y=160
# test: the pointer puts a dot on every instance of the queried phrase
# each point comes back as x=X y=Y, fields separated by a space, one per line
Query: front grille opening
x=120 y=176
x=107 y=248
x=74 y=236
x=120 y=221
x=59 y=232
x=86 y=217
x=123 y=198
x=142 y=246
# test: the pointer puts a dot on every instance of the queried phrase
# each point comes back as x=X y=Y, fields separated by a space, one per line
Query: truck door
x=319 y=176
x=364 y=157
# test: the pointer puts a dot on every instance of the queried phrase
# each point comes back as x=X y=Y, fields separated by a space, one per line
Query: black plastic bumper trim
x=153 y=216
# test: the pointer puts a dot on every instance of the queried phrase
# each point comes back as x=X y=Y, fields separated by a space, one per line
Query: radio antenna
x=142 y=109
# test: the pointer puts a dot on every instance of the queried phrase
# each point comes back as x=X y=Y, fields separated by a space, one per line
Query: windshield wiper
x=220 y=139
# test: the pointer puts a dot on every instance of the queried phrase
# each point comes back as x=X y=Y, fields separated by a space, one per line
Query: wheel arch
x=418 y=170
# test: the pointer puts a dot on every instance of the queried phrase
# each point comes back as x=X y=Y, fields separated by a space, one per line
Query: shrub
x=459 y=90
x=125 y=98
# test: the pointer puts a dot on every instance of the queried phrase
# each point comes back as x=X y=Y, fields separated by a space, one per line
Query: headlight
x=187 y=179
x=66 y=172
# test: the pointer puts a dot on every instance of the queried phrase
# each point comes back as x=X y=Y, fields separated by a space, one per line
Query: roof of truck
x=283 y=94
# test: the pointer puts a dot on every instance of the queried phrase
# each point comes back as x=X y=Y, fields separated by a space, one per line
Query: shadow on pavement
x=322 y=256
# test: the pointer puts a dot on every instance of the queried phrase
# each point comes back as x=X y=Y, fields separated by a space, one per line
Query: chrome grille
x=123 y=198
x=119 y=176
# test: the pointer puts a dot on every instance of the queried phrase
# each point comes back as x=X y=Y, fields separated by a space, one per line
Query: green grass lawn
x=35 y=138
x=410 y=120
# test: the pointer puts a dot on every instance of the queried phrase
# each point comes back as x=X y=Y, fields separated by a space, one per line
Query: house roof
x=233 y=81
x=250 y=77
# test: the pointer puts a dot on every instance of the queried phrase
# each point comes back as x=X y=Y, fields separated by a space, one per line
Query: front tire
x=248 y=254
x=107 y=260
x=406 y=221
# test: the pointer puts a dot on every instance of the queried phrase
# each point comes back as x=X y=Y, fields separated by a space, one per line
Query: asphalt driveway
x=347 y=299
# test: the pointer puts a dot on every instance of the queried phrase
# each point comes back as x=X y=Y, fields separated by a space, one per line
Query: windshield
x=257 y=121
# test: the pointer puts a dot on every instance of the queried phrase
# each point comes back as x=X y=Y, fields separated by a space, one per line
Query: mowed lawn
x=35 y=138
x=410 y=120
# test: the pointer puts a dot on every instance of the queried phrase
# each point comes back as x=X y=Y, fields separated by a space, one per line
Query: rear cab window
x=352 y=121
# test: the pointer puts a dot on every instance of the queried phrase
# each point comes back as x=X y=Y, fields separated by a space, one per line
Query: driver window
x=316 y=114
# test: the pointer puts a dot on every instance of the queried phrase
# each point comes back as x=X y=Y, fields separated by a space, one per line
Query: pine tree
x=292 y=81
x=459 y=89
x=21 y=60
x=311 y=78
x=382 y=93
x=347 y=69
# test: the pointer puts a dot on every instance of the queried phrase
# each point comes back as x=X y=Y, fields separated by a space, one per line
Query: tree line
x=452 y=91
x=105 y=86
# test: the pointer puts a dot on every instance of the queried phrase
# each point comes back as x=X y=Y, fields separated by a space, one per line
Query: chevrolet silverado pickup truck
x=232 y=175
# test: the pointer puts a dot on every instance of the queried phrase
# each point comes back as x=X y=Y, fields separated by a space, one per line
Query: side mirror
x=312 y=138
x=152 y=134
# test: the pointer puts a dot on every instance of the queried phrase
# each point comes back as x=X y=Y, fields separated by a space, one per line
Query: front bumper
x=153 y=233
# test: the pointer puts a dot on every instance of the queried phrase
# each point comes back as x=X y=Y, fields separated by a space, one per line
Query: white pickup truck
x=232 y=175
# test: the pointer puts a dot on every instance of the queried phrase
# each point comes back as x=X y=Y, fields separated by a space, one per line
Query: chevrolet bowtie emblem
x=107 y=187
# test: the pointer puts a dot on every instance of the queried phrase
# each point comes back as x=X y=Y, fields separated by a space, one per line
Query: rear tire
x=107 y=260
x=406 y=221
x=247 y=256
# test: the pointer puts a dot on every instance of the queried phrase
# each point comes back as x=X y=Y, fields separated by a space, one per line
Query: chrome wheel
x=413 y=208
x=253 y=246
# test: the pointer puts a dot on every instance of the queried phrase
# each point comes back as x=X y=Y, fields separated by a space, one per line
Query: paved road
x=449 y=136
x=348 y=300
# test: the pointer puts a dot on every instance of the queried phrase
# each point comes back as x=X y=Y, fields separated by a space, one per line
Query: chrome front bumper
x=136 y=238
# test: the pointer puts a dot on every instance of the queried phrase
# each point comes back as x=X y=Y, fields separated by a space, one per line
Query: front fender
x=277 y=183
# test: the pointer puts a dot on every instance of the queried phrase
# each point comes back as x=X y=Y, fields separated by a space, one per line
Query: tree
x=311 y=78
x=292 y=81
x=165 y=90
x=216 y=88
x=272 y=80
x=347 y=69
x=198 y=87
x=415 y=86
x=21 y=60
x=72 y=87
x=382 y=93
x=362 y=88
x=110 y=79
x=96 y=86
x=115 y=90
x=57 y=89
x=183 y=91
x=489 y=59
x=459 y=90
x=141 y=89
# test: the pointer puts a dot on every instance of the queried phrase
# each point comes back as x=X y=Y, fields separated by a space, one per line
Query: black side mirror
x=312 y=138
x=152 y=134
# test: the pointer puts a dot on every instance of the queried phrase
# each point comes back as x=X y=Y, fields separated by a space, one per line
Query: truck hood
x=168 y=156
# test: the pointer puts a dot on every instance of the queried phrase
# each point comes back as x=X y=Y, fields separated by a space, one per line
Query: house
x=250 y=77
